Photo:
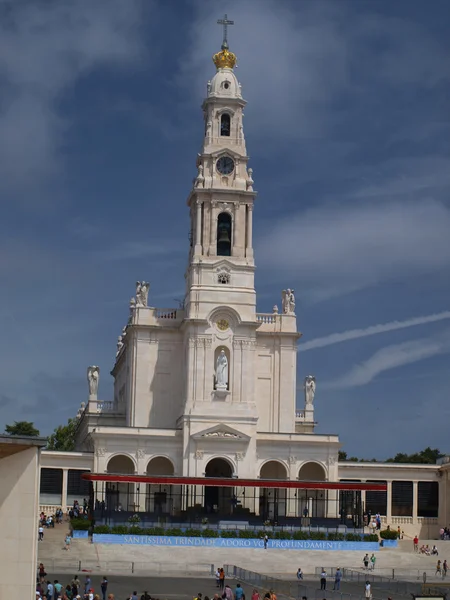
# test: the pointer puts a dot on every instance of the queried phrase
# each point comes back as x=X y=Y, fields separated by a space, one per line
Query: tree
x=342 y=455
x=428 y=456
x=25 y=428
x=63 y=437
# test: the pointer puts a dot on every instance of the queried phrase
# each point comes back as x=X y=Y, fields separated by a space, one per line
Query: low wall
x=76 y=533
x=161 y=540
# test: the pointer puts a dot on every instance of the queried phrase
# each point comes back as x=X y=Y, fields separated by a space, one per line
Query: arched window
x=225 y=124
x=224 y=235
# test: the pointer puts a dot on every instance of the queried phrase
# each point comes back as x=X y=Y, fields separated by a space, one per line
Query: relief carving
x=198 y=455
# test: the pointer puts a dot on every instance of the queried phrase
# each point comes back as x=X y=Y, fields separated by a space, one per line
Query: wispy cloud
x=354 y=334
x=392 y=357
x=334 y=250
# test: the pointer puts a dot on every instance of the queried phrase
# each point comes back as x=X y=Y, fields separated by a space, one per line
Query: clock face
x=225 y=165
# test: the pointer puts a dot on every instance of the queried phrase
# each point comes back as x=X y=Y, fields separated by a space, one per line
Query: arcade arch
x=161 y=499
x=312 y=503
x=119 y=496
x=273 y=501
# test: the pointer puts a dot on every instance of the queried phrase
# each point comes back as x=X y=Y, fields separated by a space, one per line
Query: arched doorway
x=218 y=500
x=120 y=496
x=312 y=503
x=272 y=501
x=160 y=498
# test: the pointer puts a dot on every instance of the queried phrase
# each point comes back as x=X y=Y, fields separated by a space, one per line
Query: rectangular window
x=50 y=491
x=376 y=502
x=402 y=499
x=77 y=488
x=428 y=499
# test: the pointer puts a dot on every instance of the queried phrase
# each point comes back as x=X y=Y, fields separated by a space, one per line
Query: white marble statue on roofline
x=142 y=288
x=93 y=375
x=222 y=371
x=310 y=389
x=288 y=302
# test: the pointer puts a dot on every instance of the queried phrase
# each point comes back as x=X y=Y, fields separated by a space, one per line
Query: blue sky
x=347 y=126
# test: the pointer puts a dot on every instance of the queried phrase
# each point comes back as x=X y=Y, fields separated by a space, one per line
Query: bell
x=224 y=238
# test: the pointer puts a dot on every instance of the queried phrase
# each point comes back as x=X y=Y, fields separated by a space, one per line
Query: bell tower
x=221 y=266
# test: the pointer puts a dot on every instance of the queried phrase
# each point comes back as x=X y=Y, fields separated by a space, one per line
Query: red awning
x=236 y=482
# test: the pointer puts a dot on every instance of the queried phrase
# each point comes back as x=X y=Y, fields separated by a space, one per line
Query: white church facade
x=209 y=389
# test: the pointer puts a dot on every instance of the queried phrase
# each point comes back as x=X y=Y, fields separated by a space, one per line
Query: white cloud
x=45 y=47
x=353 y=334
x=392 y=357
x=338 y=249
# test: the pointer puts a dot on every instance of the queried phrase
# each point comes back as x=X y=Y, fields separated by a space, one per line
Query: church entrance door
x=218 y=500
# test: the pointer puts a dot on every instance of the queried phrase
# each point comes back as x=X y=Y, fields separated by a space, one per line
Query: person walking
x=368 y=591
x=416 y=543
x=217 y=574
x=444 y=568
x=323 y=579
x=366 y=561
x=337 y=580
x=104 y=587
x=266 y=541
x=373 y=560
x=299 y=573
x=239 y=593
x=222 y=579
x=41 y=533
x=438 y=568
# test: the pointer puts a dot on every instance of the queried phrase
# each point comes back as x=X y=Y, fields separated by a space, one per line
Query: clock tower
x=221 y=265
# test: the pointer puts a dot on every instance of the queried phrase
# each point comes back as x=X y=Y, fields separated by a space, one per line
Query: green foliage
x=193 y=533
x=388 y=534
x=120 y=529
x=226 y=533
x=352 y=537
x=63 y=437
x=428 y=456
x=154 y=531
x=80 y=524
x=300 y=535
x=282 y=535
x=174 y=532
x=370 y=537
x=136 y=530
x=336 y=537
x=210 y=533
x=243 y=534
x=102 y=529
x=25 y=428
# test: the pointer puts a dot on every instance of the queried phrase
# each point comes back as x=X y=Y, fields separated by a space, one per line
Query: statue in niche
x=142 y=288
x=200 y=179
x=288 y=301
x=93 y=374
x=222 y=371
x=310 y=389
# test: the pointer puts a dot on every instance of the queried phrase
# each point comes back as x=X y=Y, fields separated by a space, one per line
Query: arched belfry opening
x=225 y=125
x=224 y=232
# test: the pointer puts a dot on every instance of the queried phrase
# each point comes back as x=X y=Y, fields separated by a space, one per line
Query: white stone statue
x=142 y=288
x=310 y=389
x=200 y=179
x=222 y=371
x=119 y=345
x=288 y=302
x=93 y=374
x=124 y=331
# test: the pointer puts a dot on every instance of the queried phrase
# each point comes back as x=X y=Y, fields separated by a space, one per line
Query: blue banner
x=162 y=540
x=77 y=533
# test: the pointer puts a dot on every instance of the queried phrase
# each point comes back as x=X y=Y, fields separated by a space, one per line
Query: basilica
x=204 y=421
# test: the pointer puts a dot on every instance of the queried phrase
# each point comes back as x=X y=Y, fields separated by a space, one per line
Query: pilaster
x=415 y=502
x=389 y=502
x=65 y=478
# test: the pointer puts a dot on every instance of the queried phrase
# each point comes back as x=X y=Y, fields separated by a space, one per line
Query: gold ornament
x=222 y=324
x=224 y=59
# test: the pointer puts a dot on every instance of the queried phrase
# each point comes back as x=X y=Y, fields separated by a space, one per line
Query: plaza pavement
x=163 y=560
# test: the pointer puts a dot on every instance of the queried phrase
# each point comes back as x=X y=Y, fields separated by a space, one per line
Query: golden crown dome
x=224 y=59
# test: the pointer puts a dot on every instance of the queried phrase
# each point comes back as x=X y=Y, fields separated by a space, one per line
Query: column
x=249 y=248
x=64 y=490
x=198 y=230
x=389 y=502
x=415 y=502
x=363 y=501
x=213 y=231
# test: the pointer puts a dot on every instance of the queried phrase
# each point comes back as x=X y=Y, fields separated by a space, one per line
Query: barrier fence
x=128 y=567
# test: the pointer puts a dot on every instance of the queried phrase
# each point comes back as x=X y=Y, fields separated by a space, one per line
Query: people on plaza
x=438 y=568
x=222 y=579
x=373 y=560
x=104 y=587
x=368 y=591
x=366 y=561
x=217 y=575
x=239 y=592
x=434 y=551
x=323 y=579
x=255 y=595
x=416 y=543
x=299 y=573
x=337 y=580
x=228 y=593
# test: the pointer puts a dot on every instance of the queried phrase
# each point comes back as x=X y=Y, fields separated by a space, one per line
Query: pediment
x=221 y=432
